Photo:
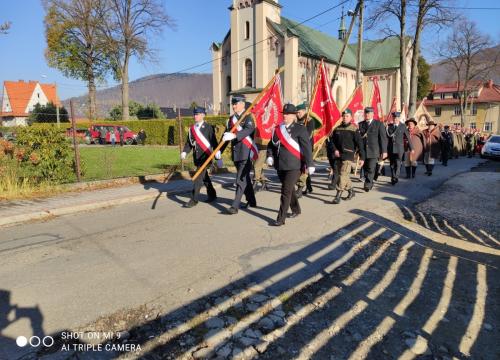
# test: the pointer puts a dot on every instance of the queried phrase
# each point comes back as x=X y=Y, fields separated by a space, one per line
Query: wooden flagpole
x=233 y=129
x=315 y=90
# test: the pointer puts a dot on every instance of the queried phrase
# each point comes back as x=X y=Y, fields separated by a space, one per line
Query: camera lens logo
x=35 y=341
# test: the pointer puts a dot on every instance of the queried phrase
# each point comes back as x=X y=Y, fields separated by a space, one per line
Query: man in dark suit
x=396 y=132
x=243 y=151
x=374 y=143
x=201 y=139
x=290 y=146
x=446 y=144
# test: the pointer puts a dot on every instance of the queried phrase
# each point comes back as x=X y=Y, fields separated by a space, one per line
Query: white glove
x=183 y=155
x=311 y=170
x=270 y=161
x=228 y=136
x=217 y=155
x=220 y=163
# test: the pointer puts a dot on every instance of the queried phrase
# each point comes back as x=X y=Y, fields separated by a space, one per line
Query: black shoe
x=337 y=198
x=247 y=205
x=413 y=171
x=309 y=189
x=366 y=188
x=191 y=203
x=231 y=211
x=278 y=223
x=331 y=186
x=292 y=215
x=350 y=194
x=299 y=193
x=393 y=181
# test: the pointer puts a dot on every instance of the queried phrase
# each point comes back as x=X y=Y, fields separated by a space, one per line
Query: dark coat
x=396 y=139
x=285 y=160
x=446 y=141
x=199 y=156
x=346 y=139
x=417 y=142
x=239 y=151
x=374 y=138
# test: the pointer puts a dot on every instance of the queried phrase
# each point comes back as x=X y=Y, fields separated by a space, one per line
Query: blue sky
x=199 y=22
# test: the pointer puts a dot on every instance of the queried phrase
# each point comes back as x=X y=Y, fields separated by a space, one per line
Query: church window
x=248 y=73
x=247 y=30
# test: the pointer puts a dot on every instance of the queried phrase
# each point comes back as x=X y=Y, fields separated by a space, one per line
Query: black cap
x=289 y=109
x=238 y=98
x=347 y=111
x=368 y=109
x=199 y=110
x=396 y=114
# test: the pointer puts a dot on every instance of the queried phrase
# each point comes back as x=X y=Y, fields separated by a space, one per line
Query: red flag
x=355 y=104
x=389 y=117
x=323 y=107
x=267 y=112
x=377 y=101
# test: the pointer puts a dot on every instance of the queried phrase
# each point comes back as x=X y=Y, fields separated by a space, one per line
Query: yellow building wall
x=485 y=112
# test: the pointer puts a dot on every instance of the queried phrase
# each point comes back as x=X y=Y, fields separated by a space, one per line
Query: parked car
x=93 y=135
x=491 y=149
x=80 y=133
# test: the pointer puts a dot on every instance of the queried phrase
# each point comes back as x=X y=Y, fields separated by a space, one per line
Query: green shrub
x=44 y=154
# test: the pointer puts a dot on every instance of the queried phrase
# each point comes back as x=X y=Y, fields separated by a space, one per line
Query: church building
x=260 y=41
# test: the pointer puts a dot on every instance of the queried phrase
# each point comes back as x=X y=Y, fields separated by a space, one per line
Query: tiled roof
x=488 y=92
x=19 y=94
x=378 y=54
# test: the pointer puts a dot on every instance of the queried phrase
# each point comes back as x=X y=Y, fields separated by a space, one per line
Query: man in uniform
x=374 y=144
x=345 y=141
x=396 y=133
x=447 y=145
x=201 y=139
x=243 y=151
x=305 y=178
x=288 y=149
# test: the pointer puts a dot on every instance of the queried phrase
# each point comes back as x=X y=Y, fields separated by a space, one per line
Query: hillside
x=166 y=90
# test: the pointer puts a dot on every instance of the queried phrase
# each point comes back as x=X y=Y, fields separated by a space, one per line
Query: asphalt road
x=66 y=272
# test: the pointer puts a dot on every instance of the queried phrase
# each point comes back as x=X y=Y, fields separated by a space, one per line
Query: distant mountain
x=442 y=73
x=166 y=90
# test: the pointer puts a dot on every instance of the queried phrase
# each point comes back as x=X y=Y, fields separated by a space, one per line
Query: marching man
x=244 y=151
x=289 y=147
x=201 y=139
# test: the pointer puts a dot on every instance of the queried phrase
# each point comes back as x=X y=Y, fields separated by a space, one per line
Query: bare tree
x=74 y=44
x=128 y=28
x=463 y=53
x=398 y=10
x=4 y=28
x=429 y=13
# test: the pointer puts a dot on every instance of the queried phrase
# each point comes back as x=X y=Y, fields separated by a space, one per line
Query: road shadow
x=373 y=289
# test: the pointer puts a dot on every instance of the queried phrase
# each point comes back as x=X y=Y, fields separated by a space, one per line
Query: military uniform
x=201 y=139
x=396 y=135
x=446 y=145
x=345 y=139
x=258 y=168
x=243 y=149
x=374 y=144
x=289 y=149
x=305 y=178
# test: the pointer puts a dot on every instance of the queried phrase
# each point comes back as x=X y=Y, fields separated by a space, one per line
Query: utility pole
x=346 y=41
x=181 y=135
x=57 y=116
x=360 y=43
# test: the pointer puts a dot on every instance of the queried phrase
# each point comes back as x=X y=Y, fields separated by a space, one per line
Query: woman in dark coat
x=432 y=148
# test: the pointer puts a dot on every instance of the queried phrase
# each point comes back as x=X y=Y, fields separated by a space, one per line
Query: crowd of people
x=366 y=146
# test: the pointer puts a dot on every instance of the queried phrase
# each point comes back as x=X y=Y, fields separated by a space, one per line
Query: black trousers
x=243 y=183
x=203 y=179
x=395 y=161
x=288 y=197
x=445 y=155
x=369 y=170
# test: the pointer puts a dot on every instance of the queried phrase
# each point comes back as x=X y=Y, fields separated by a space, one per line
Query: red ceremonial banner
x=377 y=101
x=356 y=105
x=267 y=112
x=323 y=107
x=389 y=118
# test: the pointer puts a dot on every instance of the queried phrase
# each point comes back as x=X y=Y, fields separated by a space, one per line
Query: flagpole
x=315 y=90
x=235 y=126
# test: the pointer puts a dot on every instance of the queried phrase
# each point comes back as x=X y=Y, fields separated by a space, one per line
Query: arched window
x=247 y=30
x=338 y=97
x=228 y=84
x=248 y=73
x=303 y=83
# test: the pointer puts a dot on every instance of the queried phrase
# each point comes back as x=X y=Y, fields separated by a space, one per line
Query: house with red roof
x=443 y=104
x=20 y=97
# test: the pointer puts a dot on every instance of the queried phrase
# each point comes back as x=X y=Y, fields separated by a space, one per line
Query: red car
x=94 y=134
